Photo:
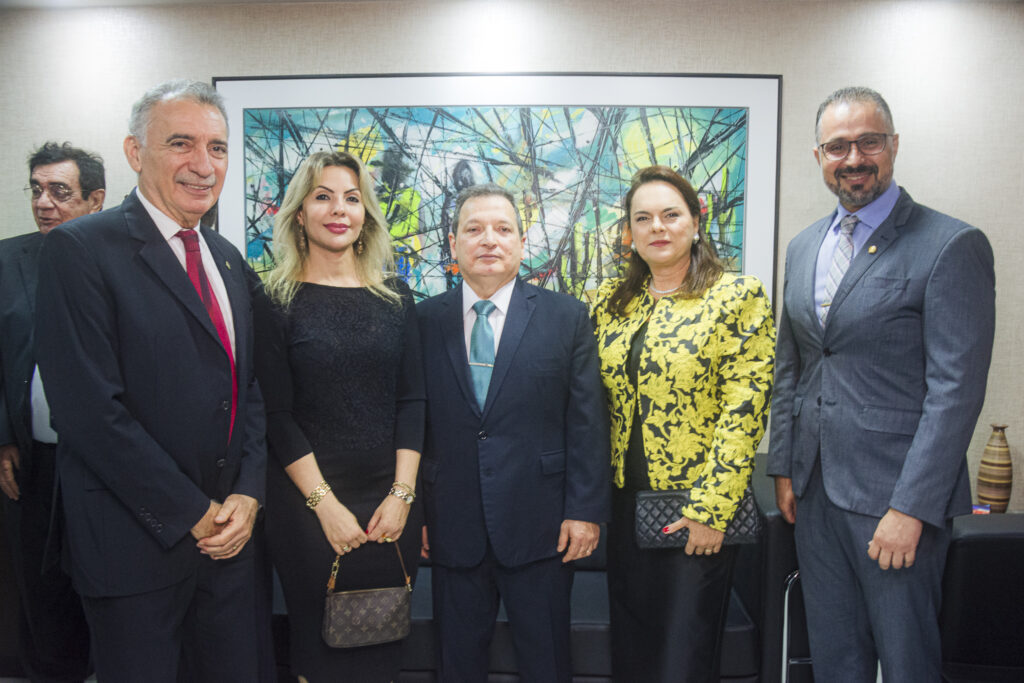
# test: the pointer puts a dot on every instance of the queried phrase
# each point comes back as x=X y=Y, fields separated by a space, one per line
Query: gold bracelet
x=404 y=492
x=317 y=494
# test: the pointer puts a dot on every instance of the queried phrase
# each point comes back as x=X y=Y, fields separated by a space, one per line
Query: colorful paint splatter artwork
x=569 y=168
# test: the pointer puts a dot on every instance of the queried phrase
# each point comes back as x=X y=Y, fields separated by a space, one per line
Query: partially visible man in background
x=64 y=183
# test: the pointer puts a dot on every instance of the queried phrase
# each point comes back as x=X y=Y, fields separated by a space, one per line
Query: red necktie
x=197 y=274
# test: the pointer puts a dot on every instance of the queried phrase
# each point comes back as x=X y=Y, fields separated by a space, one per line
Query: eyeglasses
x=59 y=192
x=869 y=144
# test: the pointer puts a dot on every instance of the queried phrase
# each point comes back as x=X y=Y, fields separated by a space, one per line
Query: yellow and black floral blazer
x=704 y=385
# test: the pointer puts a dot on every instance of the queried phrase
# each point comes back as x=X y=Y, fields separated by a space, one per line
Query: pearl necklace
x=664 y=291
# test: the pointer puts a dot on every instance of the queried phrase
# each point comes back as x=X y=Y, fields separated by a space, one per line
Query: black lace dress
x=341 y=375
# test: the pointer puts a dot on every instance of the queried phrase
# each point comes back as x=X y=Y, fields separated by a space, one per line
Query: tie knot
x=190 y=238
x=483 y=308
x=848 y=224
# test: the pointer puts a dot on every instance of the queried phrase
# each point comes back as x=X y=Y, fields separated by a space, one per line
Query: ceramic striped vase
x=995 y=473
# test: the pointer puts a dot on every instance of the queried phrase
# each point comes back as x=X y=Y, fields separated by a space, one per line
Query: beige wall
x=953 y=73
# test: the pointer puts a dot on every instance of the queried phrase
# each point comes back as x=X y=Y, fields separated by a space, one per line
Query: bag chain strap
x=337 y=562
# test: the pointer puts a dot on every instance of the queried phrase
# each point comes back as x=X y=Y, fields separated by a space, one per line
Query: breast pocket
x=886 y=303
x=889 y=283
x=545 y=367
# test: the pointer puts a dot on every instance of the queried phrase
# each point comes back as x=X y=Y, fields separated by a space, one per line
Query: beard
x=860 y=195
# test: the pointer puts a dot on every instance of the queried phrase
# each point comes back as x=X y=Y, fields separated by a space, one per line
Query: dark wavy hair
x=90 y=166
x=705 y=266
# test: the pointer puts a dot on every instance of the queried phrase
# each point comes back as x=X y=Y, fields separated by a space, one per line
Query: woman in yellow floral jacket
x=686 y=356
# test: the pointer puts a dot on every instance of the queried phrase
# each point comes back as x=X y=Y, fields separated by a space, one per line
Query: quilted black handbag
x=366 y=617
x=657 y=509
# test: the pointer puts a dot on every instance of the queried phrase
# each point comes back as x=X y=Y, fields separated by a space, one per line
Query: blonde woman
x=686 y=359
x=339 y=365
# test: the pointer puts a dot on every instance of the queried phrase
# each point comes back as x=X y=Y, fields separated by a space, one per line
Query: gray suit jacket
x=890 y=390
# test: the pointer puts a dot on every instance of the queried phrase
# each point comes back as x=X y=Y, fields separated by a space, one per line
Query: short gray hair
x=485 y=190
x=180 y=89
x=848 y=96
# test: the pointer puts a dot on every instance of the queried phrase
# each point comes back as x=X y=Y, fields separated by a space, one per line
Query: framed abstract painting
x=565 y=145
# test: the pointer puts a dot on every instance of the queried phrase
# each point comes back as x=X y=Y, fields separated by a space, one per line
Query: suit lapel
x=453 y=333
x=157 y=254
x=881 y=239
x=235 y=285
x=520 y=309
x=808 y=266
x=28 y=266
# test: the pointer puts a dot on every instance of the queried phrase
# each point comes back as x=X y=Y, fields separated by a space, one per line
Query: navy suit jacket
x=538 y=452
x=140 y=392
x=19 y=258
x=890 y=390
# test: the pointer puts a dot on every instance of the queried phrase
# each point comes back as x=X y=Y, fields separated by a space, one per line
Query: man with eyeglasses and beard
x=64 y=183
x=882 y=357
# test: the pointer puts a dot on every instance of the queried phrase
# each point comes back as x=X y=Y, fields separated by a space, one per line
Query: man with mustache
x=144 y=342
x=881 y=362
x=64 y=183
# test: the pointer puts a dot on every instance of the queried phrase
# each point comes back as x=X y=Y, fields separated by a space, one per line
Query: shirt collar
x=500 y=299
x=875 y=213
x=167 y=226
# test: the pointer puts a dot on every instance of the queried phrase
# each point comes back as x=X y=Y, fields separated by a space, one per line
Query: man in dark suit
x=144 y=340
x=881 y=363
x=64 y=182
x=516 y=460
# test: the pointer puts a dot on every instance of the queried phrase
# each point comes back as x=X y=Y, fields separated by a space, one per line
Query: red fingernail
x=664 y=530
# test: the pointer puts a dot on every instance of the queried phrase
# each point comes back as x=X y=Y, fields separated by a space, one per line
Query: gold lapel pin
x=228 y=265
x=872 y=249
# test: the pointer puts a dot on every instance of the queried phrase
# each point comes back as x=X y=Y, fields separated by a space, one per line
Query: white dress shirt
x=169 y=228
x=500 y=299
x=41 y=429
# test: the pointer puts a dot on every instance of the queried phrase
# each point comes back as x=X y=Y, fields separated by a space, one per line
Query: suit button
x=482 y=436
x=224 y=405
x=819 y=400
x=221 y=462
x=827 y=351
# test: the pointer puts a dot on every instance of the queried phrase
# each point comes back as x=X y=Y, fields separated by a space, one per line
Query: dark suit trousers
x=857 y=614
x=536 y=598
x=54 y=637
x=201 y=630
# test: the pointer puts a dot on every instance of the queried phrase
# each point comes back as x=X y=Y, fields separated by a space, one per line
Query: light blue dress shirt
x=870 y=216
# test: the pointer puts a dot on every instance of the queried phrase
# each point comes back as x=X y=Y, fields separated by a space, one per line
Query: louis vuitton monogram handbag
x=366 y=617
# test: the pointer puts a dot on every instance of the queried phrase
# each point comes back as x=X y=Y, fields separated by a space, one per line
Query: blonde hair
x=291 y=250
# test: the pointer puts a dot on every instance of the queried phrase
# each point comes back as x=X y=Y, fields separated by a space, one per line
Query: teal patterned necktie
x=481 y=351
